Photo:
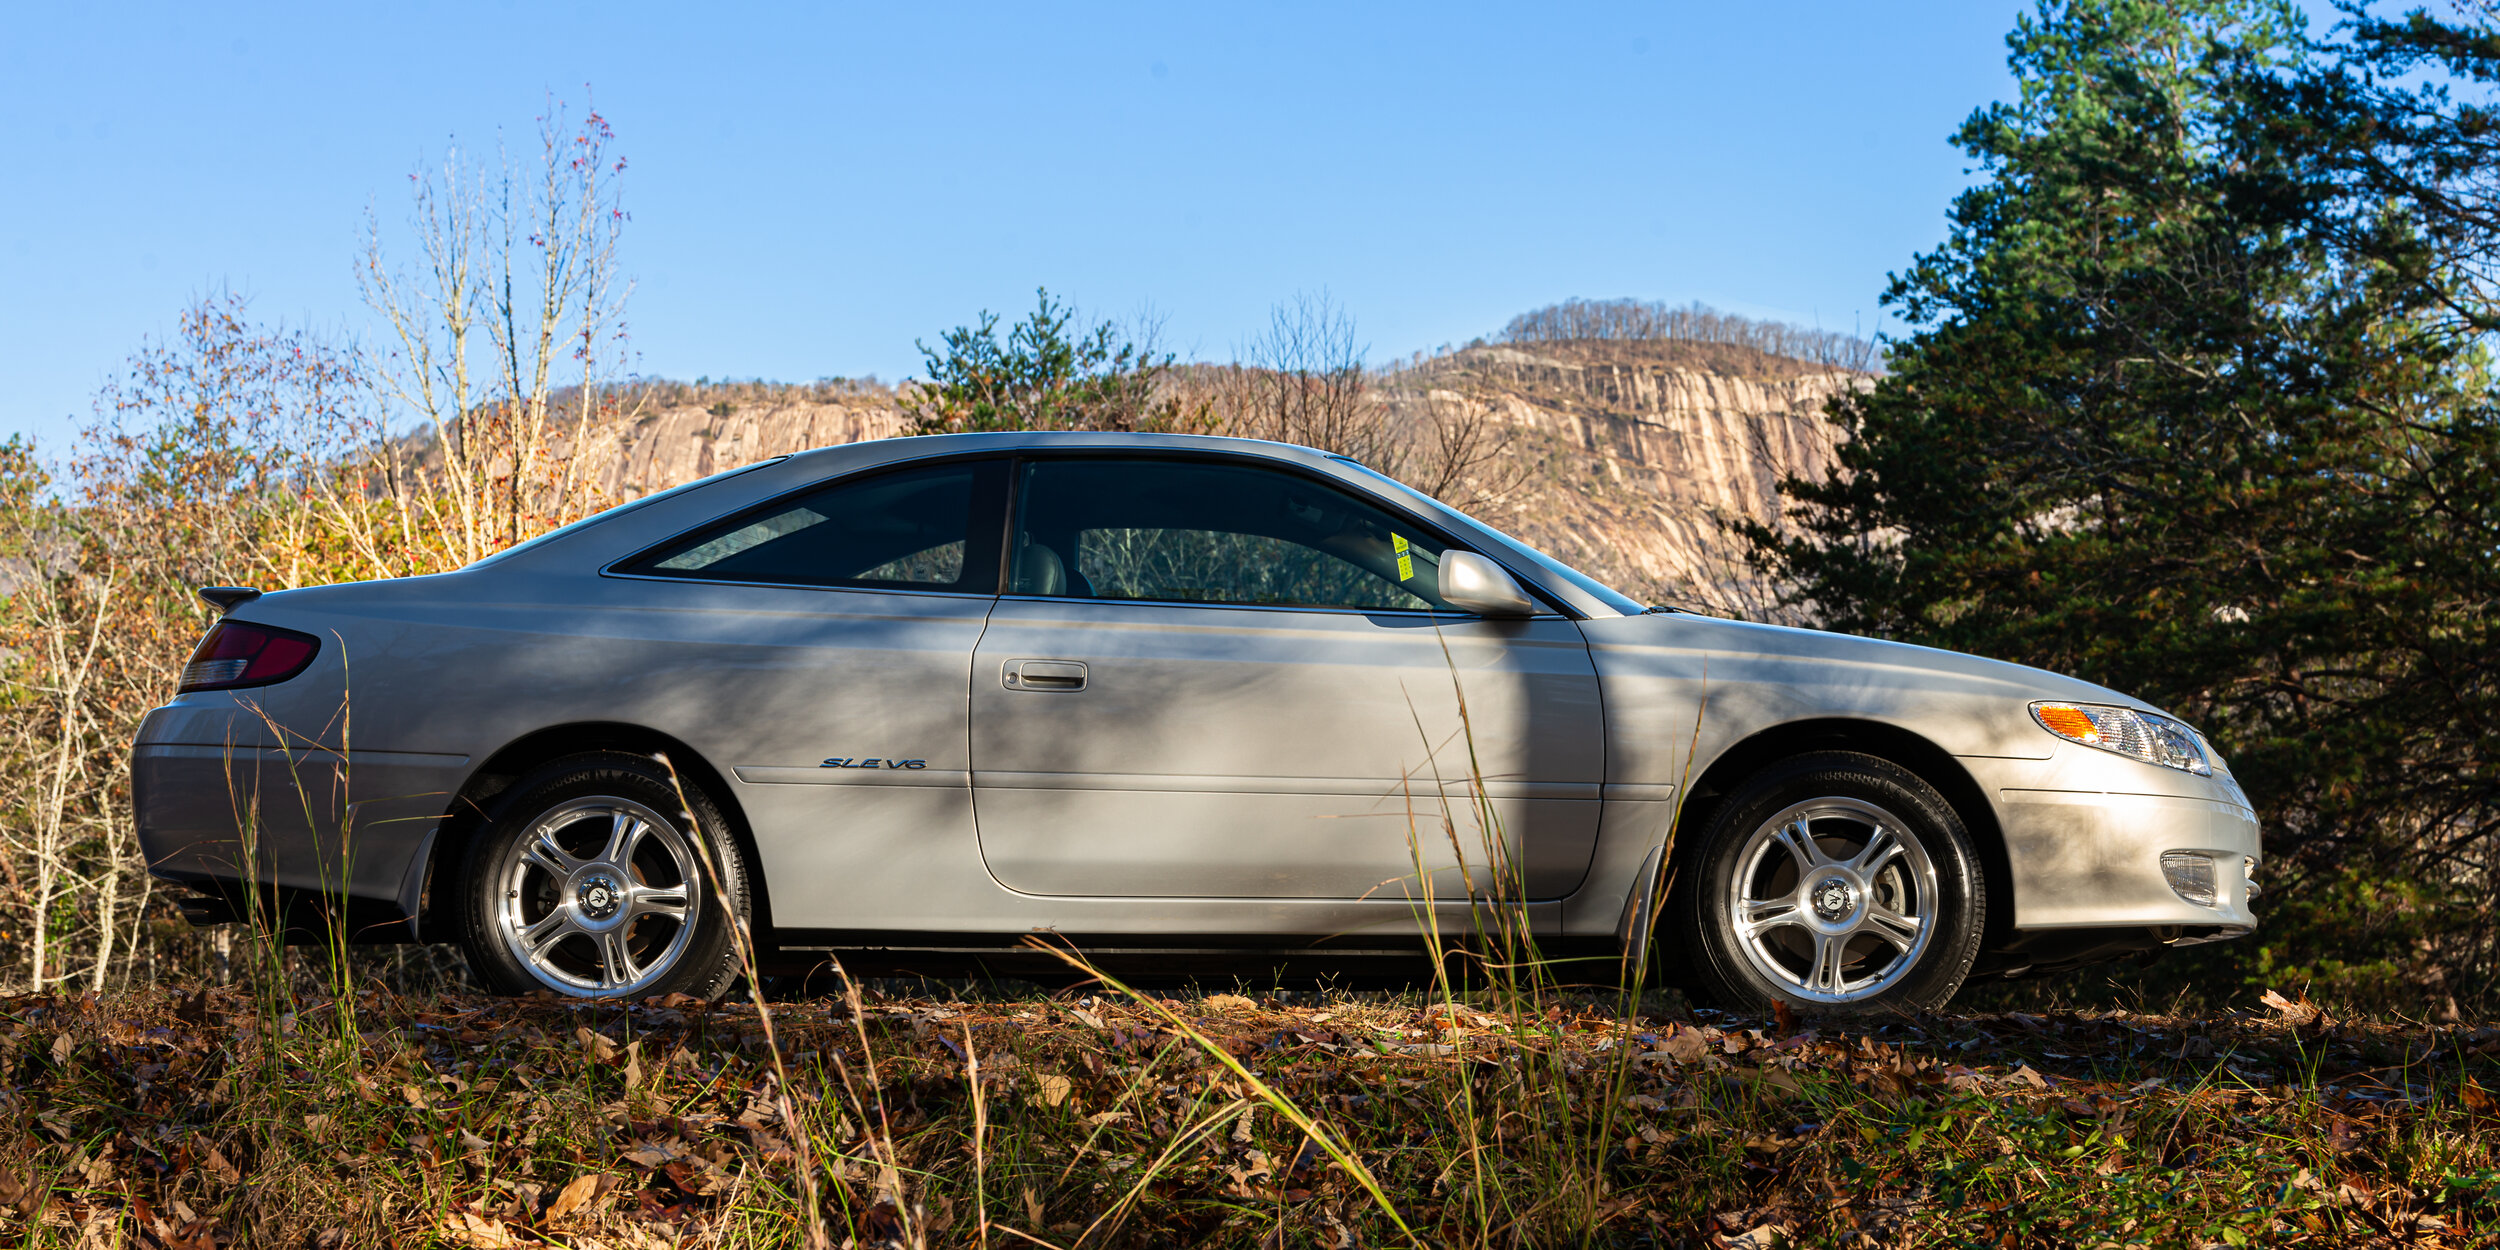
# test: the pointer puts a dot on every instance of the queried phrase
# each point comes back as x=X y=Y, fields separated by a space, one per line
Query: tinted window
x=1191 y=532
x=1588 y=585
x=909 y=529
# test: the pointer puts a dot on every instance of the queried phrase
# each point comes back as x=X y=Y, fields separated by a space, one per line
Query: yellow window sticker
x=1406 y=560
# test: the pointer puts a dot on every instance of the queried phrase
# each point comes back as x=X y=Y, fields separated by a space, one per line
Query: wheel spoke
x=624 y=834
x=543 y=936
x=616 y=962
x=1882 y=847
x=663 y=900
x=1825 y=977
x=549 y=856
x=1800 y=843
x=1898 y=928
x=1768 y=913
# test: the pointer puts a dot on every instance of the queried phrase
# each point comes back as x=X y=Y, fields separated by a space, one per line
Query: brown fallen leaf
x=1759 y=1237
x=193 y=1234
x=1255 y=1165
x=1684 y=1045
x=573 y=1197
x=1052 y=1088
x=697 y=1176
x=1227 y=1002
x=2293 y=1013
x=1771 y=1078
x=15 y=1192
x=2478 y=1101
x=469 y=1229
x=222 y=1168
x=597 y=1044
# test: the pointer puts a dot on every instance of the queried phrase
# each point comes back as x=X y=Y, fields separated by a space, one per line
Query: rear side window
x=931 y=528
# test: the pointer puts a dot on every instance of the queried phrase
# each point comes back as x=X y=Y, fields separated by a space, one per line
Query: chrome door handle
x=1040 y=675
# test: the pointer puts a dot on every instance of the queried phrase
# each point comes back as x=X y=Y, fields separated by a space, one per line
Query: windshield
x=1588 y=585
x=618 y=511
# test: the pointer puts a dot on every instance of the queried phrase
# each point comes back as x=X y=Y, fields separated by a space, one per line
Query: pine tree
x=2193 y=407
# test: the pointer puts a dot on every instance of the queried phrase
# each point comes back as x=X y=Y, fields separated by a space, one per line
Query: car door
x=816 y=649
x=1224 y=679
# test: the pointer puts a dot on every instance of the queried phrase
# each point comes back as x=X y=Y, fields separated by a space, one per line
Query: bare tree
x=1456 y=446
x=1304 y=380
x=519 y=268
x=239 y=454
x=1645 y=320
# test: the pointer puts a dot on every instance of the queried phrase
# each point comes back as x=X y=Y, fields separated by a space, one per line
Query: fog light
x=2190 y=874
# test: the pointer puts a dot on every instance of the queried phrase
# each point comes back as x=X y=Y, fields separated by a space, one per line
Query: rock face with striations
x=666 y=445
x=1637 y=453
x=1628 y=456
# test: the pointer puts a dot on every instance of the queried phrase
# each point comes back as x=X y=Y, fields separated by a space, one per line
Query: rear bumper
x=2084 y=842
x=355 y=827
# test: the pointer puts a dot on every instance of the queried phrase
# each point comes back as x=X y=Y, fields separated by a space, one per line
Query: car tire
x=603 y=876
x=1833 y=882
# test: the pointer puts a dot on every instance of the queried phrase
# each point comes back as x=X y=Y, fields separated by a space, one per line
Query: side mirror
x=1474 y=584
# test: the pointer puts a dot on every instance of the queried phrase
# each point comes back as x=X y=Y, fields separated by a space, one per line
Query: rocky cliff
x=661 y=443
x=1637 y=454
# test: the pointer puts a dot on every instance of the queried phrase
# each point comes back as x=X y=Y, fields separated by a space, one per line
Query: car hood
x=1688 y=632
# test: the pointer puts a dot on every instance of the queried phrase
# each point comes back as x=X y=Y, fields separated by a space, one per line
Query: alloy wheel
x=598 y=896
x=1834 y=899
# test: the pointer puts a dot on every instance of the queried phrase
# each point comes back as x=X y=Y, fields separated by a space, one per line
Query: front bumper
x=2085 y=832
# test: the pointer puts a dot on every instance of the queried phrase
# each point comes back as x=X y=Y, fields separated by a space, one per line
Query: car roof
x=919 y=447
x=629 y=528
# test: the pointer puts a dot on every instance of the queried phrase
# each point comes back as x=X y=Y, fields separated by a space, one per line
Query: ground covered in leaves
x=214 y=1120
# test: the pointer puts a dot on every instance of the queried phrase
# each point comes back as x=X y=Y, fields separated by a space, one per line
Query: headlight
x=2136 y=735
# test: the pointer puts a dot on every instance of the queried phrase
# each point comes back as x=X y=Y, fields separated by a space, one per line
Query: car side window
x=1199 y=532
x=910 y=529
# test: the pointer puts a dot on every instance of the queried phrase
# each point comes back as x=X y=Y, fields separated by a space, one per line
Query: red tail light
x=236 y=654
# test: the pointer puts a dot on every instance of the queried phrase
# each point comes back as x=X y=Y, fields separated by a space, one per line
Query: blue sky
x=813 y=187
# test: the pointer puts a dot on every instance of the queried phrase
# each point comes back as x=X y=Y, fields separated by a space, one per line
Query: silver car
x=1195 y=703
